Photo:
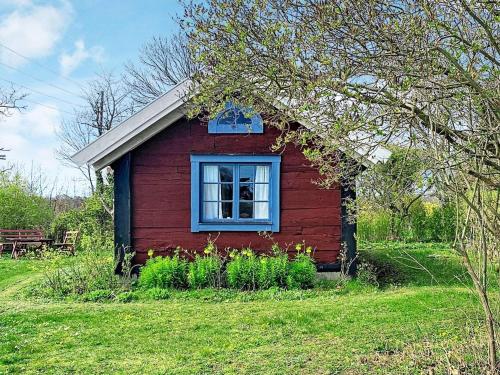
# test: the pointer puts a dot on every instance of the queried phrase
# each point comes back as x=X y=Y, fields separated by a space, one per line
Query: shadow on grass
x=414 y=264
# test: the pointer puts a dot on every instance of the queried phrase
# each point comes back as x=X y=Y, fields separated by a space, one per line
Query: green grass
x=406 y=326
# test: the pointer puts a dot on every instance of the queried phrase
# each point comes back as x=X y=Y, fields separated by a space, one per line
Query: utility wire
x=40 y=80
x=40 y=65
x=48 y=106
x=41 y=93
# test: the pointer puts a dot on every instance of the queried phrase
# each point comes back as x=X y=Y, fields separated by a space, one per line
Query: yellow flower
x=298 y=247
x=150 y=252
x=207 y=250
x=309 y=249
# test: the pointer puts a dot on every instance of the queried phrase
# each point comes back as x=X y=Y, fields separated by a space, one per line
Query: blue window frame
x=235 y=120
x=235 y=193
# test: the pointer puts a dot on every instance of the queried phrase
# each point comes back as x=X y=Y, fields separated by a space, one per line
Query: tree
x=9 y=100
x=363 y=74
x=21 y=206
x=107 y=104
x=397 y=184
x=164 y=62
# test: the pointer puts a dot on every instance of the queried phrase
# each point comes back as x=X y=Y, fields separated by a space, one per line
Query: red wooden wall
x=161 y=195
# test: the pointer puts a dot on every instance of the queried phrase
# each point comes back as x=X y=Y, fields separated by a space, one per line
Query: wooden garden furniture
x=69 y=242
x=19 y=239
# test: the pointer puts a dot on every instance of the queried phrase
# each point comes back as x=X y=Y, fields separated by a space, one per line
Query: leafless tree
x=107 y=104
x=163 y=63
x=9 y=100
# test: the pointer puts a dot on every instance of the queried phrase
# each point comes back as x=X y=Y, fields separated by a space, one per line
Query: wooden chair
x=69 y=242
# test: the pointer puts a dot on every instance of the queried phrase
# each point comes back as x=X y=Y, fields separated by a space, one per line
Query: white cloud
x=39 y=121
x=31 y=140
x=30 y=137
x=32 y=30
x=70 y=61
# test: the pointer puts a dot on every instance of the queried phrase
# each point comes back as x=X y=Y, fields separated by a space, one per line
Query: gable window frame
x=199 y=224
x=254 y=124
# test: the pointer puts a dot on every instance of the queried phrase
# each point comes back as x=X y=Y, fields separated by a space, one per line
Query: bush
x=91 y=220
x=21 y=208
x=243 y=270
x=90 y=271
x=205 y=272
x=273 y=271
x=164 y=272
x=427 y=221
x=301 y=272
x=367 y=274
x=126 y=297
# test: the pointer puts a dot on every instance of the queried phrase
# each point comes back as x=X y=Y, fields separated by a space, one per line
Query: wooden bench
x=69 y=242
x=16 y=238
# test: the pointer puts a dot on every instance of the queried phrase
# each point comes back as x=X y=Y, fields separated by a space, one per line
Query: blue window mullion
x=236 y=189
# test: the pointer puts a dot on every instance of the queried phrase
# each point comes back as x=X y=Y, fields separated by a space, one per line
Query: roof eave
x=135 y=130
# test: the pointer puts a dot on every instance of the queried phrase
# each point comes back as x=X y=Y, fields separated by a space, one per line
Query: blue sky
x=66 y=43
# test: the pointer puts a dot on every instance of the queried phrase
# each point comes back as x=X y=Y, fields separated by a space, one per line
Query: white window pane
x=262 y=173
x=212 y=210
x=261 y=192
x=211 y=192
x=261 y=210
x=211 y=173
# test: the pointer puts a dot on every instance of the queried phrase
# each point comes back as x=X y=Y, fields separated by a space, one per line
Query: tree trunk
x=490 y=320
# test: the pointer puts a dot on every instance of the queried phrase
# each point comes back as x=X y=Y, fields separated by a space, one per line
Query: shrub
x=91 y=220
x=205 y=272
x=301 y=272
x=126 y=297
x=243 y=270
x=273 y=271
x=164 y=272
x=367 y=274
x=87 y=272
x=427 y=221
x=20 y=207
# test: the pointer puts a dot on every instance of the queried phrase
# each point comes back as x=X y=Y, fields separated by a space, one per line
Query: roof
x=159 y=115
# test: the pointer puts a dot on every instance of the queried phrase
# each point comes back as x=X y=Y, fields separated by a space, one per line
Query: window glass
x=217 y=192
x=247 y=173
x=234 y=116
x=252 y=193
x=246 y=210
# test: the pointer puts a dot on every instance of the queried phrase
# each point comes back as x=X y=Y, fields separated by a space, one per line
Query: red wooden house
x=177 y=181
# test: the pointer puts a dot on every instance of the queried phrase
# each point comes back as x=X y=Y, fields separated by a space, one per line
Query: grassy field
x=412 y=323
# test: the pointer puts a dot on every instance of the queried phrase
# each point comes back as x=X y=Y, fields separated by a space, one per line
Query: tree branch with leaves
x=417 y=74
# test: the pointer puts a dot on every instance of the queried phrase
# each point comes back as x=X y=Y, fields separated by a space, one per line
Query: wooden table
x=26 y=241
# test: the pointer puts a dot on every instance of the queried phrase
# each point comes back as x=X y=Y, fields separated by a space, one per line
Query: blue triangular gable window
x=235 y=120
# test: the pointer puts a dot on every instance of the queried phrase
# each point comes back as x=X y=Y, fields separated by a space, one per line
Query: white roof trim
x=157 y=116
x=136 y=129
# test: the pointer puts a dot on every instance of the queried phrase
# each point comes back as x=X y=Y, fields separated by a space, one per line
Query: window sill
x=235 y=227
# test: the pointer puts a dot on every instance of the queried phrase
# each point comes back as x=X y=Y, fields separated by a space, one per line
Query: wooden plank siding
x=161 y=189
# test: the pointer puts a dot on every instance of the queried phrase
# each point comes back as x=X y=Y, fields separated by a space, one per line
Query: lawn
x=412 y=323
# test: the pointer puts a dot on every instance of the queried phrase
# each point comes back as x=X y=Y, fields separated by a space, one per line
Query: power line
x=40 y=65
x=41 y=93
x=48 y=106
x=40 y=80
